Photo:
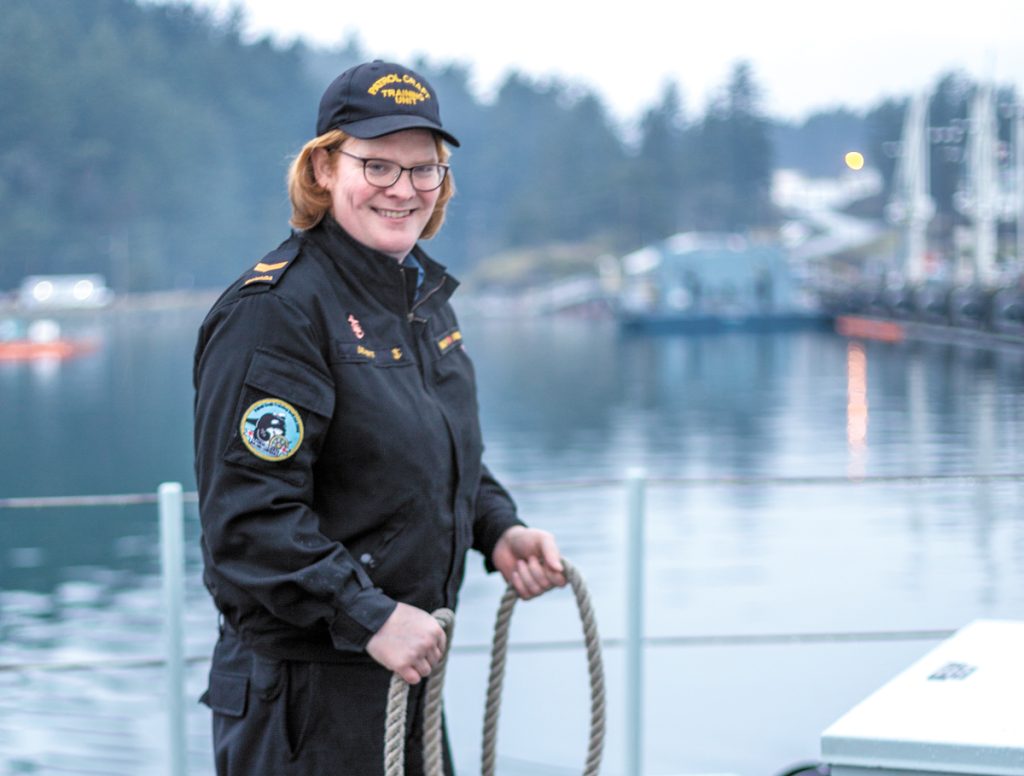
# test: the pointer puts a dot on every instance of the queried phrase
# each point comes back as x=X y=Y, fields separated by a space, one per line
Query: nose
x=403 y=186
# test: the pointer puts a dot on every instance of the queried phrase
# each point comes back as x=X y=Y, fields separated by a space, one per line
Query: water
x=561 y=400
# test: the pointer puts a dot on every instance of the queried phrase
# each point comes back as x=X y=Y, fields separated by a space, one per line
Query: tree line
x=150 y=143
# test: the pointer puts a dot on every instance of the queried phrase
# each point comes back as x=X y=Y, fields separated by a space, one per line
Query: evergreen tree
x=734 y=158
x=659 y=180
x=817 y=146
x=150 y=143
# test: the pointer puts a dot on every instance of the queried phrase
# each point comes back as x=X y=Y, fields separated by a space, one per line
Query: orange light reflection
x=856 y=408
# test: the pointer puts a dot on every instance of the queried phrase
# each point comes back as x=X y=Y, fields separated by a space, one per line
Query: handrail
x=553 y=645
x=133 y=499
x=172 y=520
x=112 y=500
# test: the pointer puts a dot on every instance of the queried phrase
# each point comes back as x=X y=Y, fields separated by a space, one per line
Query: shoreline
x=147 y=300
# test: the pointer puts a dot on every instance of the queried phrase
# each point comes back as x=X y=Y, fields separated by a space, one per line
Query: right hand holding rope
x=410 y=643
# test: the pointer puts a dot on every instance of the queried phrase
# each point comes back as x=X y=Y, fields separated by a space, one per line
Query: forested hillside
x=150 y=143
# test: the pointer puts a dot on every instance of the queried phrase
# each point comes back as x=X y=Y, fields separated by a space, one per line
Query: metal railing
x=170 y=499
x=172 y=545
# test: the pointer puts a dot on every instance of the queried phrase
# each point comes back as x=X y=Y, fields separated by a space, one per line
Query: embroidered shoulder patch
x=272 y=266
x=272 y=429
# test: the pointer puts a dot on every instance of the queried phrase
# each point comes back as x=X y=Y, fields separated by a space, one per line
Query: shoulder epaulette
x=271 y=267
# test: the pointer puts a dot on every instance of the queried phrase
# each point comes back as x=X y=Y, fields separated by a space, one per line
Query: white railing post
x=172 y=553
x=635 y=624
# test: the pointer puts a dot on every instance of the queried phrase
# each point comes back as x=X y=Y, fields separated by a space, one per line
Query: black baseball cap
x=377 y=98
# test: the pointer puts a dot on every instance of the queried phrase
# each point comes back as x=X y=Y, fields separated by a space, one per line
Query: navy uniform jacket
x=338 y=449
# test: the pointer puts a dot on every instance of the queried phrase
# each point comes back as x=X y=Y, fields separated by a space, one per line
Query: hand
x=410 y=643
x=529 y=560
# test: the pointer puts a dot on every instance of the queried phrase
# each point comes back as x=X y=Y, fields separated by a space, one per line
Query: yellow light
x=854 y=160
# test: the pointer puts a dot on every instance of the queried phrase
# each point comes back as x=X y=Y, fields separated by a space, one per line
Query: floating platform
x=27 y=350
x=890 y=330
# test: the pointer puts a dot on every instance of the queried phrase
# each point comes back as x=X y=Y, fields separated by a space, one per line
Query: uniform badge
x=271 y=429
x=357 y=329
x=448 y=340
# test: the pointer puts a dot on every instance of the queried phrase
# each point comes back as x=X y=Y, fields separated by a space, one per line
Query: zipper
x=423 y=350
x=423 y=298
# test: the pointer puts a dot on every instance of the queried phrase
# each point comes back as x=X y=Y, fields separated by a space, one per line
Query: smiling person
x=338 y=450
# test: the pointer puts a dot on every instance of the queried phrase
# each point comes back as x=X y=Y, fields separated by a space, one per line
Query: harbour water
x=766 y=517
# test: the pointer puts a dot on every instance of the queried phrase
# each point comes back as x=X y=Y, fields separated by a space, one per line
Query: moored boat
x=40 y=340
x=698 y=283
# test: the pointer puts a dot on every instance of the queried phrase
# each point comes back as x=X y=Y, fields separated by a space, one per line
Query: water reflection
x=857 y=409
x=574 y=400
x=112 y=421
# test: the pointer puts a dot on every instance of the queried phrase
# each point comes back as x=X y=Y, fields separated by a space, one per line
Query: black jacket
x=338 y=449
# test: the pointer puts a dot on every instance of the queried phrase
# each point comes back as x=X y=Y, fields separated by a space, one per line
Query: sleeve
x=264 y=401
x=495 y=514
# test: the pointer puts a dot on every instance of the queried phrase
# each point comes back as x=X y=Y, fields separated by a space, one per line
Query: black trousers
x=276 y=717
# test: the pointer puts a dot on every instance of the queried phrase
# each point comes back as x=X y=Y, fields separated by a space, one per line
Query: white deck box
x=958 y=710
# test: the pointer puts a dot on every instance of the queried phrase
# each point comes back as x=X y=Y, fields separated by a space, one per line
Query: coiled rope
x=398 y=692
x=398 y=703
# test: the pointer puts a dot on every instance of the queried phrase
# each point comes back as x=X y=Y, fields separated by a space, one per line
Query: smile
x=393 y=213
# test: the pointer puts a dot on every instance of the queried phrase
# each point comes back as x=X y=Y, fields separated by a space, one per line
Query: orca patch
x=272 y=429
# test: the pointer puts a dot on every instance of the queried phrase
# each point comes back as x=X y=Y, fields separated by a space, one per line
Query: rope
x=398 y=691
x=499 y=652
x=432 y=706
x=397 y=707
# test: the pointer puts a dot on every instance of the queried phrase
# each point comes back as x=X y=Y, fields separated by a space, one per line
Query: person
x=338 y=450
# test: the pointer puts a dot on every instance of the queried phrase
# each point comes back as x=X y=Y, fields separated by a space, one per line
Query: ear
x=323 y=168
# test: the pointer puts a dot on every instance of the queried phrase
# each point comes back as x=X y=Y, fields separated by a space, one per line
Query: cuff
x=487 y=537
x=363 y=616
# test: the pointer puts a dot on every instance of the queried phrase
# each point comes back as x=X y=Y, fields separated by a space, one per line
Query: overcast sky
x=806 y=54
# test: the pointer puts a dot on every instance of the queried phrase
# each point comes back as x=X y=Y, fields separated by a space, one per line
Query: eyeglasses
x=383 y=173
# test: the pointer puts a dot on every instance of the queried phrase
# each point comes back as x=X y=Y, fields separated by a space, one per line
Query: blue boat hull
x=682 y=323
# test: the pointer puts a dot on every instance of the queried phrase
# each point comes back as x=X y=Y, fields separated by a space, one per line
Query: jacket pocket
x=379 y=356
x=375 y=554
x=281 y=413
x=227 y=693
x=267 y=677
x=353 y=353
x=277 y=374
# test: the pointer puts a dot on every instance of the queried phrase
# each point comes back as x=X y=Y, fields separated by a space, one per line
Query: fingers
x=436 y=655
x=552 y=557
x=427 y=655
x=416 y=672
x=532 y=577
x=410 y=675
x=420 y=668
x=411 y=643
x=524 y=585
x=553 y=567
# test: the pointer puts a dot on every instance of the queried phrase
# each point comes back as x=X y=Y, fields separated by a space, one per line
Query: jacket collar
x=385 y=279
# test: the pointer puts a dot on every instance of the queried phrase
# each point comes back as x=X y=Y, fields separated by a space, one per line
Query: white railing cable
x=527 y=647
x=961 y=478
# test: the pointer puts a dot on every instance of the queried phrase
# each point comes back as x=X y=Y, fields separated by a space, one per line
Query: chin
x=397 y=248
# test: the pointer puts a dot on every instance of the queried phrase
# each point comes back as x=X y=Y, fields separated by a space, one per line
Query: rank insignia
x=448 y=340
